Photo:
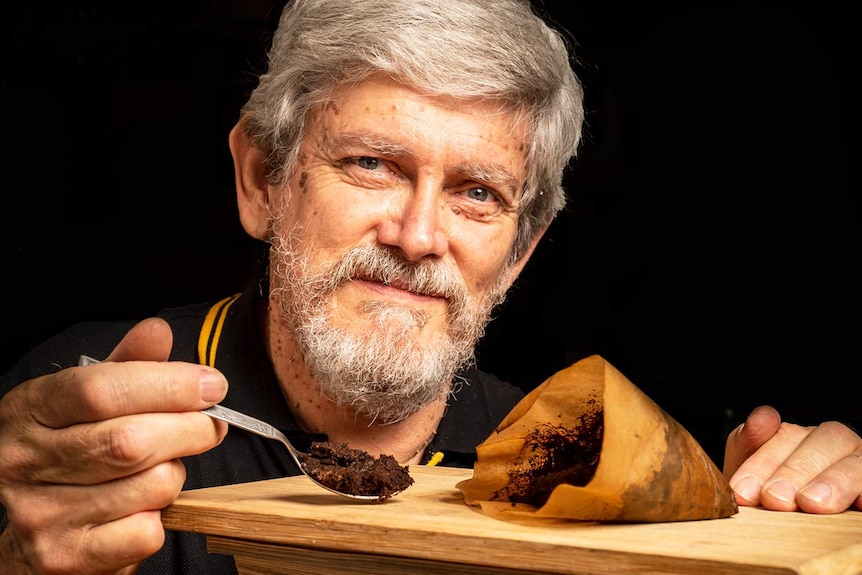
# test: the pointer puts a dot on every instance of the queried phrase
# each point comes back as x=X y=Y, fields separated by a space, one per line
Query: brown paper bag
x=589 y=445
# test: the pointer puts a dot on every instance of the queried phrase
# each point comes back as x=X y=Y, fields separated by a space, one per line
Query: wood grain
x=290 y=525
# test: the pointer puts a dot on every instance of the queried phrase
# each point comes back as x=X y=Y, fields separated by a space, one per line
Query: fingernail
x=783 y=491
x=213 y=386
x=748 y=489
x=818 y=492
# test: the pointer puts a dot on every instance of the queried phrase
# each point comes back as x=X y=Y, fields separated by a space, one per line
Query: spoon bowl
x=264 y=429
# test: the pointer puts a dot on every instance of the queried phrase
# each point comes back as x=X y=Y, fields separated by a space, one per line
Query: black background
x=710 y=249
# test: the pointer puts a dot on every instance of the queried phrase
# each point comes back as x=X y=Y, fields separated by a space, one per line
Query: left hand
x=787 y=467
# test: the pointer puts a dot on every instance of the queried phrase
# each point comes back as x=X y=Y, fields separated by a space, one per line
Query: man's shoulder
x=474 y=384
x=98 y=338
x=63 y=349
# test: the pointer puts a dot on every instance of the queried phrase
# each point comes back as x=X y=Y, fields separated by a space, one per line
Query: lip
x=394 y=292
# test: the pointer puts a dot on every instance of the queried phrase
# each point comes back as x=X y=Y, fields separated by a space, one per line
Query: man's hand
x=90 y=455
x=787 y=467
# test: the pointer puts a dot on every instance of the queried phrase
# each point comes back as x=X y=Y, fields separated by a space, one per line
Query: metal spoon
x=264 y=429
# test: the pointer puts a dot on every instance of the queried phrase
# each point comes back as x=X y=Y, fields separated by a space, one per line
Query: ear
x=252 y=189
x=516 y=268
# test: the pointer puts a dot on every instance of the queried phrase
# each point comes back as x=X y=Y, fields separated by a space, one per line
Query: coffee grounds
x=355 y=471
x=552 y=455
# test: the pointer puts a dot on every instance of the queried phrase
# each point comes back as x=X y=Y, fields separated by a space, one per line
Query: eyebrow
x=377 y=144
x=493 y=174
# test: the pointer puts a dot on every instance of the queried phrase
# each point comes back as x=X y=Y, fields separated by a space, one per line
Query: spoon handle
x=251 y=424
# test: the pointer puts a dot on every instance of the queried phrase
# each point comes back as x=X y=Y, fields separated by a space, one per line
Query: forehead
x=383 y=110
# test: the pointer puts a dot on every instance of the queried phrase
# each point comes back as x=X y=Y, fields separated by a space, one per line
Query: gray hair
x=500 y=49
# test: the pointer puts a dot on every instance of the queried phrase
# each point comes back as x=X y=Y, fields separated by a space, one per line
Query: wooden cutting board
x=292 y=526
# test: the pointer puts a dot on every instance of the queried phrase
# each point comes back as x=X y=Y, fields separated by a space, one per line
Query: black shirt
x=226 y=335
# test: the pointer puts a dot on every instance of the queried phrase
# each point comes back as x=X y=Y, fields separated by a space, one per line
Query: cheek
x=482 y=259
x=327 y=219
x=490 y=278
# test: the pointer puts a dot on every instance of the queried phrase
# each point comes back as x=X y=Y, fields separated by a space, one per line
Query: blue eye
x=479 y=194
x=368 y=163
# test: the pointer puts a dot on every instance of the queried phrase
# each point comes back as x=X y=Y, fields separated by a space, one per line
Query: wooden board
x=291 y=526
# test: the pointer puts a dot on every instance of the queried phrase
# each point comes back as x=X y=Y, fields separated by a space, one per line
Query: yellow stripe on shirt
x=211 y=331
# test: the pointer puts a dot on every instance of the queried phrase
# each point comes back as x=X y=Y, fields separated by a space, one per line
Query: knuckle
x=17 y=463
x=26 y=511
x=156 y=487
x=47 y=559
x=150 y=536
x=167 y=482
x=126 y=446
x=97 y=393
x=43 y=551
x=12 y=406
x=29 y=514
x=27 y=523
x=841 y=433
x=19 y=413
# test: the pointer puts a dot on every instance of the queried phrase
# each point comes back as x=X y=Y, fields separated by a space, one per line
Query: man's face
x=391 y=249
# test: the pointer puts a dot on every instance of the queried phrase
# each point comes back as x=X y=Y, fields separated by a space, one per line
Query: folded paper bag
x=589 y=445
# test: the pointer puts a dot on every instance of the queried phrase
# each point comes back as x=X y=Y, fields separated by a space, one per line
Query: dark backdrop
x=710 y=250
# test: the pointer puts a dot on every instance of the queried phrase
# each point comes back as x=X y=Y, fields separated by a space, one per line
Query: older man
x=402 y=160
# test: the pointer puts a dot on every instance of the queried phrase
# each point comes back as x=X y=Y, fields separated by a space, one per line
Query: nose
x=417 y=226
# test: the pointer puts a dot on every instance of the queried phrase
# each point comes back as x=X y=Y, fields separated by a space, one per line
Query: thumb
x=149 y=340
x=748 y=437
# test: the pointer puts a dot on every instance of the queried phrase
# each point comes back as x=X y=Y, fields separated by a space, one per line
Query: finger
x=151 y=339
x=747 y=438
x=88 y=454
x=153 y=488
x=128 y=540
x=102 y=391
x=822 y=475
x=119 y=524
x=748 y=481
x=102 y=549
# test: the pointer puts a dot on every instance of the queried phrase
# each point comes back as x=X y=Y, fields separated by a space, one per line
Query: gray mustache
x=428 y=277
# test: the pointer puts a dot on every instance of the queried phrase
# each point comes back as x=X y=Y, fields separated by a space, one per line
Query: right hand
x=90 y=455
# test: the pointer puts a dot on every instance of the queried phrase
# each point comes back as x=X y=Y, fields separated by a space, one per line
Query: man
x=402 y=160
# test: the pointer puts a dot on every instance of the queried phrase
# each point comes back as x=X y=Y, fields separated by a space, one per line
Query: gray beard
x=384 y=373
